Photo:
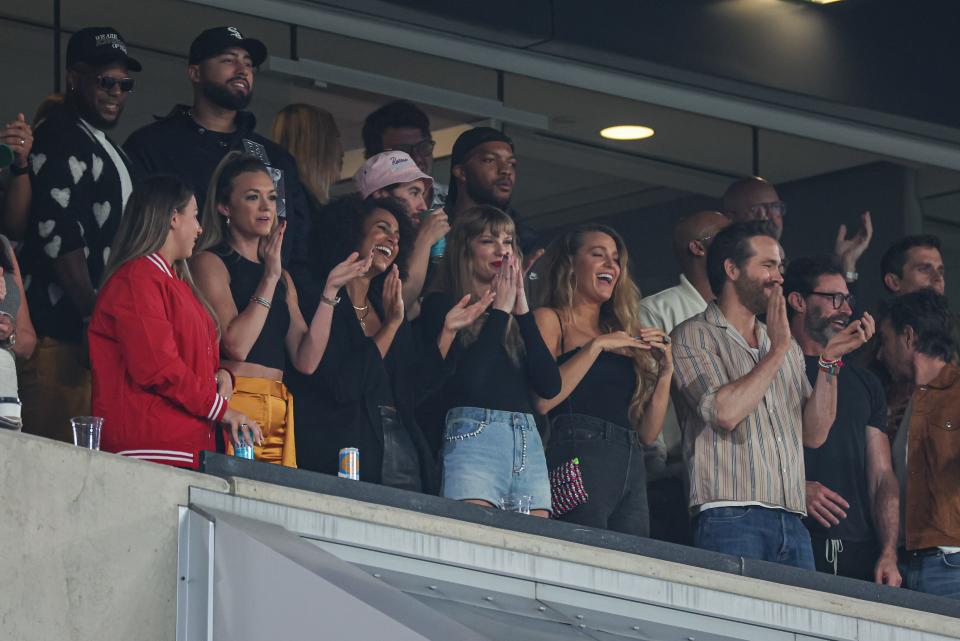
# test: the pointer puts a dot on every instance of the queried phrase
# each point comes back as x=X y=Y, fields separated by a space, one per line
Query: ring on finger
x=22 y=142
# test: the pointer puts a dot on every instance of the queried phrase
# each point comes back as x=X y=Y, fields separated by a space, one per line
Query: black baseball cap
x=473 y=138
x=214 y=41
x=99 y=46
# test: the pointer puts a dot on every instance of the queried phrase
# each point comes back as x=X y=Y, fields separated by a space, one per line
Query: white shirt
x=666 y=310
x=126 y=184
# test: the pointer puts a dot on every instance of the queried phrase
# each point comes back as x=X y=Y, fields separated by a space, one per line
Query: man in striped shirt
x=746 y=407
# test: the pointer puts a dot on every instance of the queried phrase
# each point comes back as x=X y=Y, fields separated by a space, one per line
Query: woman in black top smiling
x=370 y=378
x=492 y=450
x=616 y=375
x=256 y=302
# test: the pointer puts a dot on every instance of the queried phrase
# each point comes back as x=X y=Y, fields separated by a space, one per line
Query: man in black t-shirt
x=852 y=492
x=192 y=140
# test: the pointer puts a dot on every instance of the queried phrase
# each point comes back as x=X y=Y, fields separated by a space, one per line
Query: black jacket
x=339 y=405
x=177 y=145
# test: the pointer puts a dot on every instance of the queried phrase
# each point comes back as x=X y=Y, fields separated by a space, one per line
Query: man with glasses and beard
x=746 y=407
x=852 y=492
x=80 y=181
x=192 y=140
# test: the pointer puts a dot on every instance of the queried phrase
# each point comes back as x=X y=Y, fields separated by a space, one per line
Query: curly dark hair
x=399 y=113
x=928 y=313
x=338 y=230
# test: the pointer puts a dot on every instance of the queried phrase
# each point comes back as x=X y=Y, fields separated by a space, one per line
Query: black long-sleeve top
x=338 y=405
x=483 y=373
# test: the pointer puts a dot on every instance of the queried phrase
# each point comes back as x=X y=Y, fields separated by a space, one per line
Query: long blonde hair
x=311 y=136
x=455 y=273
x=145 y=226
x=216 y=229
x=620 y=313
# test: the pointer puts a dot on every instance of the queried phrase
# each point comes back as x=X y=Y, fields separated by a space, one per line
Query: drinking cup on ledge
x=86 y=431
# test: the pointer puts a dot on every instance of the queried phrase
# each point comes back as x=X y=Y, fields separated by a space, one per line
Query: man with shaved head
x=753 y=198
x=667 y=309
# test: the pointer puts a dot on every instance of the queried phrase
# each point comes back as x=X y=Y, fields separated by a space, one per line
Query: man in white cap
x=394 y=174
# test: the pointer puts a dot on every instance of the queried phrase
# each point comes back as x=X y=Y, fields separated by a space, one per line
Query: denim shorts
x=492 y=454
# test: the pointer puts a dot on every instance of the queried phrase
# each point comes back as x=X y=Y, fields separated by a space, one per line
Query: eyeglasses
x=422 y=148
x=838 y=298
x=107 y=83
x=777 y=207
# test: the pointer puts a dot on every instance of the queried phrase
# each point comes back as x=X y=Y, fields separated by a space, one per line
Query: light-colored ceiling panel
x=784 y=157
x=700 y=141
x=399 y=63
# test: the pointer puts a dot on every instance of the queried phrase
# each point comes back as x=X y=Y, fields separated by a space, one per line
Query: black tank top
x=269 y=350
x=605 y=390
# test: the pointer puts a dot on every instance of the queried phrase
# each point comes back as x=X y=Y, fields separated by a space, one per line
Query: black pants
x=856 y=561
x=614 y=476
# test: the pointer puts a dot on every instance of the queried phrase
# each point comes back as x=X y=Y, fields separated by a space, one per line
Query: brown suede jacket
x=933 y=463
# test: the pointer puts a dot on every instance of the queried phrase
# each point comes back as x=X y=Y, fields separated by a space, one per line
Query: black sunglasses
x=107 y=83
x=423 y=148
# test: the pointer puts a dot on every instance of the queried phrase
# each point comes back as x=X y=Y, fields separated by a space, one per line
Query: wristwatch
x=9 y=341
x=851 y=277
x=332 y=302
x=19 y=171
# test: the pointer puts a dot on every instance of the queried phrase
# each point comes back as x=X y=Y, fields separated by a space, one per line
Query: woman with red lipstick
x=368 y=383
x=157 y=381
x=616 y=376
x=492 y=452
x=238 y=269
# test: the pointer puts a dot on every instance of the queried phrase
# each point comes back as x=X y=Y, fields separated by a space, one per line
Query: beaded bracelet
x=260 y=300
x=832 y=368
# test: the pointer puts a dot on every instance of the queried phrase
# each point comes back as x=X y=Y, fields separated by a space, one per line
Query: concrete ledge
x=88 y=542
x=557 y=540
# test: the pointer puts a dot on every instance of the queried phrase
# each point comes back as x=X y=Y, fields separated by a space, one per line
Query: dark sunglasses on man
x=107 y=83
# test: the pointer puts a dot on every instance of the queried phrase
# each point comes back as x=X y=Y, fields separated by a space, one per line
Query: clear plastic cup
x=86 y=431
x=516 y=503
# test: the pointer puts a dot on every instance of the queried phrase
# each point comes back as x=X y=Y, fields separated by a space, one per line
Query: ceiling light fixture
x=822 y=1
x=627 y=132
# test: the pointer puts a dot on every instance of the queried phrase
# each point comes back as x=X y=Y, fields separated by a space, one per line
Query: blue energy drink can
x=244 y=451
x=439 y=248
x=349 y=464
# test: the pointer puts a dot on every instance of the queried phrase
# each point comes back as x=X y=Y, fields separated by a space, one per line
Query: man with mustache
x=80 y=180
x=192 y=140
x=483 y=171
x=746 y=407
x=852 y=493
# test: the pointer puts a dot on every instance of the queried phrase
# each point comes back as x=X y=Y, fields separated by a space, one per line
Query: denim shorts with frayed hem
x=493 y=454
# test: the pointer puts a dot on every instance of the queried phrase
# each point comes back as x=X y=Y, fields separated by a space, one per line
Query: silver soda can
x=349 y=464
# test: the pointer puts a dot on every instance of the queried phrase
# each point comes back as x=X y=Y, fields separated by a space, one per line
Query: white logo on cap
x=235 y=33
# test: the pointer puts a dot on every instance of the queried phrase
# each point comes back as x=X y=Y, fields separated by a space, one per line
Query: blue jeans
x=936 y=574
x=755 y=532
x=493 y=454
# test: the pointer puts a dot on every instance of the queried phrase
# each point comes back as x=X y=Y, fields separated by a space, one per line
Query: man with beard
x=746 y=407
x=192 y=140
x=483 y=171
x=80 y=182
x=916 y=346
x=852 y=493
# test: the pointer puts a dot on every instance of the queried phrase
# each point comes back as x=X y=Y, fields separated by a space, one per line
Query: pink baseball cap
x=388 y=168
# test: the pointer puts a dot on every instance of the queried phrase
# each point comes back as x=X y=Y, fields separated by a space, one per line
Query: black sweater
x=338 y=406
x=483 y=374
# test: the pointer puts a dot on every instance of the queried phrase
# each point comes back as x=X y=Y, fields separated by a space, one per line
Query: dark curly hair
x=338 y=230
x=928 y=313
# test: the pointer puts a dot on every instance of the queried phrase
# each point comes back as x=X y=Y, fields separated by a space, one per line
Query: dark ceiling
x=891 y=56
